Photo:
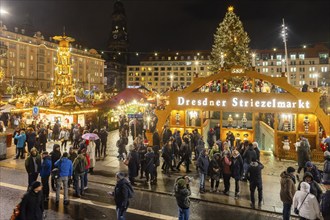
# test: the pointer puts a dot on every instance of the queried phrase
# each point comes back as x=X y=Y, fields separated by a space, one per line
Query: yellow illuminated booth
x=259 y=108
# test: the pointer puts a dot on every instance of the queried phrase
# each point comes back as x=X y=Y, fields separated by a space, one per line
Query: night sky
x=158 y=25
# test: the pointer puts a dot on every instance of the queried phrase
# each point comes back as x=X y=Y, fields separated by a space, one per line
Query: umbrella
x=90 y=136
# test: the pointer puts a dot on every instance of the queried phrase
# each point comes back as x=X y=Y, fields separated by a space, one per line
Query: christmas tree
x=231 y=43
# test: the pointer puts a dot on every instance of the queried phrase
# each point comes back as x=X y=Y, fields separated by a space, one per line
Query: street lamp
x=316 y=76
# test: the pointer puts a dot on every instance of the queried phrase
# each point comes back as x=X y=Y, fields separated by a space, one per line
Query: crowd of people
x=219 y=161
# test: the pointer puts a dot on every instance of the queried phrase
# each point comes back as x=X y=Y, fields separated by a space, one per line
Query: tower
x=118 y=47
x=64 y=86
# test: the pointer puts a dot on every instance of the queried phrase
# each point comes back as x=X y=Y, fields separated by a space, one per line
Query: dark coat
x=42 y=135
x=167 y=153
x=29 y=164
x=55 y=155
x=249 y=154
x=203 y=163
x=150 y=162
x=215 y=169
x=32 y=206
x=314 y=186
x=254 y=173
x=103 y=136
x=182 y=195
x=303 y=153
x=133 y=164
x=155 y=139
x=166 y=135
x=237 y=167
x=121 y=194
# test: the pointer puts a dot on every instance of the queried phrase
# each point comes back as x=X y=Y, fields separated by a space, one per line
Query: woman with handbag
x=305 y=204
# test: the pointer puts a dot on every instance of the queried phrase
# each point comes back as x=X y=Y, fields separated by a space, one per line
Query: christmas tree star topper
x=230 y=9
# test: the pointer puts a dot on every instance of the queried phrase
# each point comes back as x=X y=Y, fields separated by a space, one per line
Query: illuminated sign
x=244 y=103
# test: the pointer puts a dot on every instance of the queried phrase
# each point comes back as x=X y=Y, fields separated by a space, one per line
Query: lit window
x=279 y=57
x=301 y=56
x=293 y=56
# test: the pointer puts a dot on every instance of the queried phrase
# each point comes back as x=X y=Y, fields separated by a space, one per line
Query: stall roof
x=128 y=95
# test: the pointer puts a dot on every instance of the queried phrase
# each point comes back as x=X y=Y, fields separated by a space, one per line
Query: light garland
x=56 y=111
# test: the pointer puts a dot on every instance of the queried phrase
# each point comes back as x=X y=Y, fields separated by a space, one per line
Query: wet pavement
x=96 y=204
x=106 y=169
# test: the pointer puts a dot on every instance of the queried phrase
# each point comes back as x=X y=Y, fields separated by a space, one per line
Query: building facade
x=160 y=71
x=29 y=62
x=307 y=65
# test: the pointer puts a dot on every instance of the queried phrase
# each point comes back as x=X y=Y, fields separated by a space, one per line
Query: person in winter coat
x=326 y=168
x=31 y=138
x=32 y=165
x=185 y=154
x=200 y=146
x=56 y=130
x=167 y=133
x=310 y=167
x=256 y=149
x=156 y=138
x=303 y=154
x=150 y=165
x=215 y=149
x=55 y=155
x=64 y=137
x=45 y=170
x=167 y=156
x=79 y=168
x=65 y=168
x=32 y=205
x=306 y=203
x=142 y=150
x=76 y=136
x=104 y=139
x=255 y=178
x=182 y=193
x=91 y=153
x=133 y=164
x=288 y=189
x=325 y=205
x=215 y=172
x=226 y=164
x=210 y=137
x=248 y=155
x=314 y=186
x=236 y=170
x=120 y=194
x=97 y=144
x=72 y=154
x=203 y=167
x=21 y=138
x=42 y=133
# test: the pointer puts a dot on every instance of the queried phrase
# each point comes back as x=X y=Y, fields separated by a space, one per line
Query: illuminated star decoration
x=230 y=9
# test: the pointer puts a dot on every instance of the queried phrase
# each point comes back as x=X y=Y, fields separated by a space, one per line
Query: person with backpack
x=182 y=193
x=45 y=170
x=122 y=193
x=32 y=206
x=65 y=172
x=79 y=165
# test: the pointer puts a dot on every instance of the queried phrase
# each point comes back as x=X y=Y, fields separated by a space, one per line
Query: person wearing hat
x=310 y=167
x=32 y=165
x=314 y=186
x=32 y=206
x=182 y=193
x=45 y=170
x=121 y=195
x=288 y=190
x=306 y=203
x=65 y=168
